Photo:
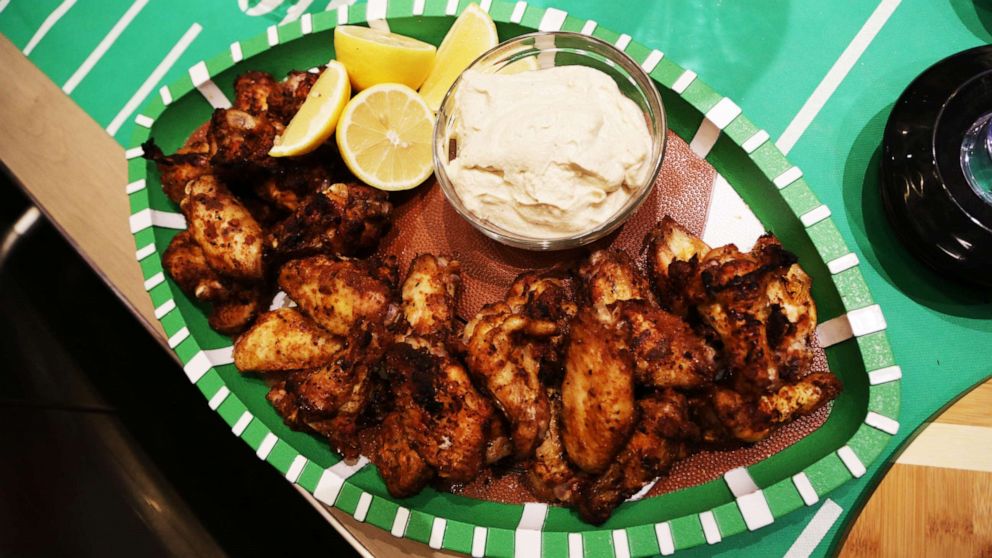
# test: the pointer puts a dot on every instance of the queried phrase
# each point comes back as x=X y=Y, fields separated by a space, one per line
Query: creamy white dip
x=547 y=153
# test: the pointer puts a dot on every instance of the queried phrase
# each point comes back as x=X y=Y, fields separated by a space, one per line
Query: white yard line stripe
x=243 y=421
x=400 y=521
x=575 y=545
x=223 y=355
x=552 y=20
x=815 y=530
x=836 y=75
x=588 y=27
x=754 y=142
x=621 y=546
x=262 y=8
x=154 y=281
x=103 y=46
x=437 y=532
x=527 y=537
x=666 y=544
x=882 y=422
x=331 y=481
x=295 y=11
x=418 y=7
x=47 y=25
x=884 y=375
x=196 y=367
x=265 y=448
x=144 y=121
x=710 y=529
x=165 y=94
x=134 y=152
x=136 y=186
x=518 y=12
x=165 y=308
x=178 y=337
x=843 y=263
x=296 y=468
x=144 y=252
x=805 y=488
x=156 y=76
x=851 y=460
x=479 y=535
x=200 y=76
x=754 y=508
x=362 y=509
x=651 y=62
x=3 y=5
x=451 y=8
x=739 y=482
x=218 y=398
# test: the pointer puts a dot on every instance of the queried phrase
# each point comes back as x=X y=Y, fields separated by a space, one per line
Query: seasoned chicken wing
x=283 y=340
x=402 y=469
x=609 y=276
x=508 y=367
x=254 y=90
x=750 y=419
x=239 y=307
x=429 y=295
x=341 y=219
x=176 y=170
x=240 y=142
x=549 y=475
x=758 y=304
x=548 y=297
x=292 y=92
x=230 y=237
x=658 y=441
x=597 y=394
x=341 y=295
x=447 y=421
x=666 y=351
x=186 y=263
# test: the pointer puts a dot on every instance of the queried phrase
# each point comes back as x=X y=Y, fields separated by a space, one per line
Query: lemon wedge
x=384 y=137
x=318 y=116
x=472 y=34
x=374 y=57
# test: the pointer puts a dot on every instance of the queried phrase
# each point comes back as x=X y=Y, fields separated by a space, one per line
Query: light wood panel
x=76 y=174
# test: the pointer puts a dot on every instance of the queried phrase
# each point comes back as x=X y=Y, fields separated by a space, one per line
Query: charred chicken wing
x=284 y=340
x=230 y=237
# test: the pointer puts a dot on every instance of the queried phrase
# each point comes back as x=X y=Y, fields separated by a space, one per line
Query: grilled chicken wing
x=666 y=351
x=239 y=307
x=230 y=237
x=610 y=276
x=240 y=141
x=402 y=469
x=658 y=441
x=186 y=263
x=291 y=94
x=283 y=340
x=748 y=419
x=447 y=420
x=758 y=304
x=176 y=170
x=253 y=91
x=597 y=394
x=508 y=367
x=341 y=295
x=342 y=219
x=548 y=297
x=429 y=294
x=549 y=475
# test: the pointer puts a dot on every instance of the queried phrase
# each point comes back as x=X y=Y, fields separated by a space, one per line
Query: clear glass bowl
x=546 y=49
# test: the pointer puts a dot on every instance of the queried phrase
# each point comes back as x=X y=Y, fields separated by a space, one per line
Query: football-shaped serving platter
x=709 y=135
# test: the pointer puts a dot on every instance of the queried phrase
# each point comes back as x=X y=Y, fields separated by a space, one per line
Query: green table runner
x=819 y=76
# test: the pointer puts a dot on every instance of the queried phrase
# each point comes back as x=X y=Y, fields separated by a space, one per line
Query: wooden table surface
x=935 y=500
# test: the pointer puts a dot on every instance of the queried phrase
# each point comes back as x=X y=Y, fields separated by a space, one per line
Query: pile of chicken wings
x=592 y=379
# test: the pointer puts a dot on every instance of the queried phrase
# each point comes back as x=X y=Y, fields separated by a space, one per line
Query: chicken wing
x=547 y=297
x=429 y=294
x=609 y=276
x=283 y=340
x=176 y=170
x=597 y=394
x=748 y=419
x=673 y=257
x=240 y=142
x=447 y=421
x=341 y=295
x=292 y=92
x=508 y=367
x=238 y=309
x=549 y=475
x=659 y=439
x=341 y=219
x=666 y=351
x=402 y=469
x=254 y=91
x=230 y=237
x=186 y=263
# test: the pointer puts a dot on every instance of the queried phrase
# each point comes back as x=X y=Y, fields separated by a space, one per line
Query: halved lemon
x=318 y=116
x=384 y=137
x=472 y=34
x=373 y=56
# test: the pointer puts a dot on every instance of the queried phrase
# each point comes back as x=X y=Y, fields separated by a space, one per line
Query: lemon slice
x=374 y=57
x=318 y=116
x=384 y=137
x=472 y=34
